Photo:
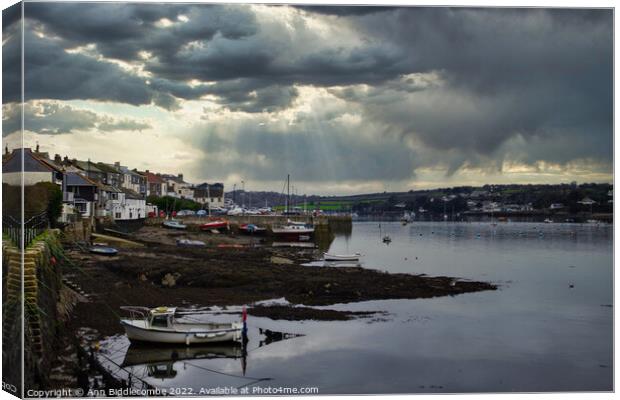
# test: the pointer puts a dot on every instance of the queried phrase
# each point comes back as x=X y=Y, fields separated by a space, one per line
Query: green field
x=323 y=205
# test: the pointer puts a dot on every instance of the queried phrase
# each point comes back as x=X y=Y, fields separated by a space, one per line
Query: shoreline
x=156 y=273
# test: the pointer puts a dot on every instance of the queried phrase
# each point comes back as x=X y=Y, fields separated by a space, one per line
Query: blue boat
x=104 y=250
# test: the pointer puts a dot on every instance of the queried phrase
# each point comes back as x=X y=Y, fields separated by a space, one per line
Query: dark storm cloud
x=52 y=73
x=11 y=15
x=344 y=10
x=121 y=31
x=261 y=99
x=510 y=79
x=311 y=152
x=216 y=43
x=52 y=119
x=11 y=53
x=535 y=74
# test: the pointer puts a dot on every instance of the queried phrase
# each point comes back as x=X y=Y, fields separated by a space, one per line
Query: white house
x=177 y=187
x=211 y=195
x=36 y=169
x=134 y=206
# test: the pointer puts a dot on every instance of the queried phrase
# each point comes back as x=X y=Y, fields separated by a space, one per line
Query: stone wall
x=79 y=231
x=42 y=282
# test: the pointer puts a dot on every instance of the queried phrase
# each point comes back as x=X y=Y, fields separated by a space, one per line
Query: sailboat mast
x=288 y=191
x=209 y=199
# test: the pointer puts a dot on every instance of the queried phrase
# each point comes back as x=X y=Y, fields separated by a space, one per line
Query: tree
x=54 y=204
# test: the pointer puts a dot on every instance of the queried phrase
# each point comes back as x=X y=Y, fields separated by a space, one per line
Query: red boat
x=220 y=224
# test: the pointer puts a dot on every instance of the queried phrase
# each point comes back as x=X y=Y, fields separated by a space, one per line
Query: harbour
x=550 y=282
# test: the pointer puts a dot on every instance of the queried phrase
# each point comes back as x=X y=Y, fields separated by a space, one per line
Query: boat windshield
x=160 y=320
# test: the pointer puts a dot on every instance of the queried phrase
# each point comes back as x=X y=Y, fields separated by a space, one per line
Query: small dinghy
x=252 y=229
x=190 y=243
x=341 y=257
x=387 y=239
x=173 y=224
x=104 y=250
x=215 y=225
x=160 y=325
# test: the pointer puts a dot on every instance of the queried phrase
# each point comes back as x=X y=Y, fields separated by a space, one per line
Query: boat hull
x=174 y=226
x=104 y=251
x=335 y=257
x=214 y=225
x=136 y=333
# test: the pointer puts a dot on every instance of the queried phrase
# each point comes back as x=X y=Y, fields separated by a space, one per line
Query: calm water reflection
x=548 y=328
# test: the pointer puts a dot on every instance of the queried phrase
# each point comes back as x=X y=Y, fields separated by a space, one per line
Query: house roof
x=173 y=178
x=131 y=194
x=32 y=163
x=75 y=179
x=86 y=166
x=127 y=171
x=108 y=168
x=153 y=178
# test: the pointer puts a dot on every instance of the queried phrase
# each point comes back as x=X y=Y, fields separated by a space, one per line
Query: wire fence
x=32 y=227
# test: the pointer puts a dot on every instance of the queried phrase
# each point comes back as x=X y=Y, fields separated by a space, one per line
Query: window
x=212 y=199
x=117 y=215
x=160 y=320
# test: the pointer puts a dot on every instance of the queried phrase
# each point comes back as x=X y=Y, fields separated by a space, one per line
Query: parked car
x=201 y=213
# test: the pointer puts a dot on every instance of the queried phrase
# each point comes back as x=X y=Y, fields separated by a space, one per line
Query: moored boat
x=219 y=224
x=294 y=231
x=104 y=250
x=341 y=257
x=252 y=229
x=174 y=224
x=160 y=325
x=190 y=243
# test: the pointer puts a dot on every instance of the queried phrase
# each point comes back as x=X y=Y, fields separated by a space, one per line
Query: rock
x=169 y=280
x=280 y=260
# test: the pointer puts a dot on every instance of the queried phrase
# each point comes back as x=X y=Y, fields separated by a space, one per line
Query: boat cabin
x=161 y=317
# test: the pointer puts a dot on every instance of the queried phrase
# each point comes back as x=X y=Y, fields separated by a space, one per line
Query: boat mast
x=209 y=200
x=288 y=191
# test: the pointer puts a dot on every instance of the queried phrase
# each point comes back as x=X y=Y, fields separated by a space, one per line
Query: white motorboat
x=174 y=224
x=341 y=257
x=190 y=243
x=407 y=217
x=160 y=325
x=294 y=230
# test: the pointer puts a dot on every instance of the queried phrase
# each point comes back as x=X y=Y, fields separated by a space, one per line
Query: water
x=548 y=328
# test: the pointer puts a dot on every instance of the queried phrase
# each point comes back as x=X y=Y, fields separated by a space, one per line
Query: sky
x=344 y=99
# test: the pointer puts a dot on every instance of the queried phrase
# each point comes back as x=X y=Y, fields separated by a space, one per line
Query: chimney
x=57 y=158
x=180 y=176
x=6 y=149
x=117 y=164
x=147 y=171
x=37 y=148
